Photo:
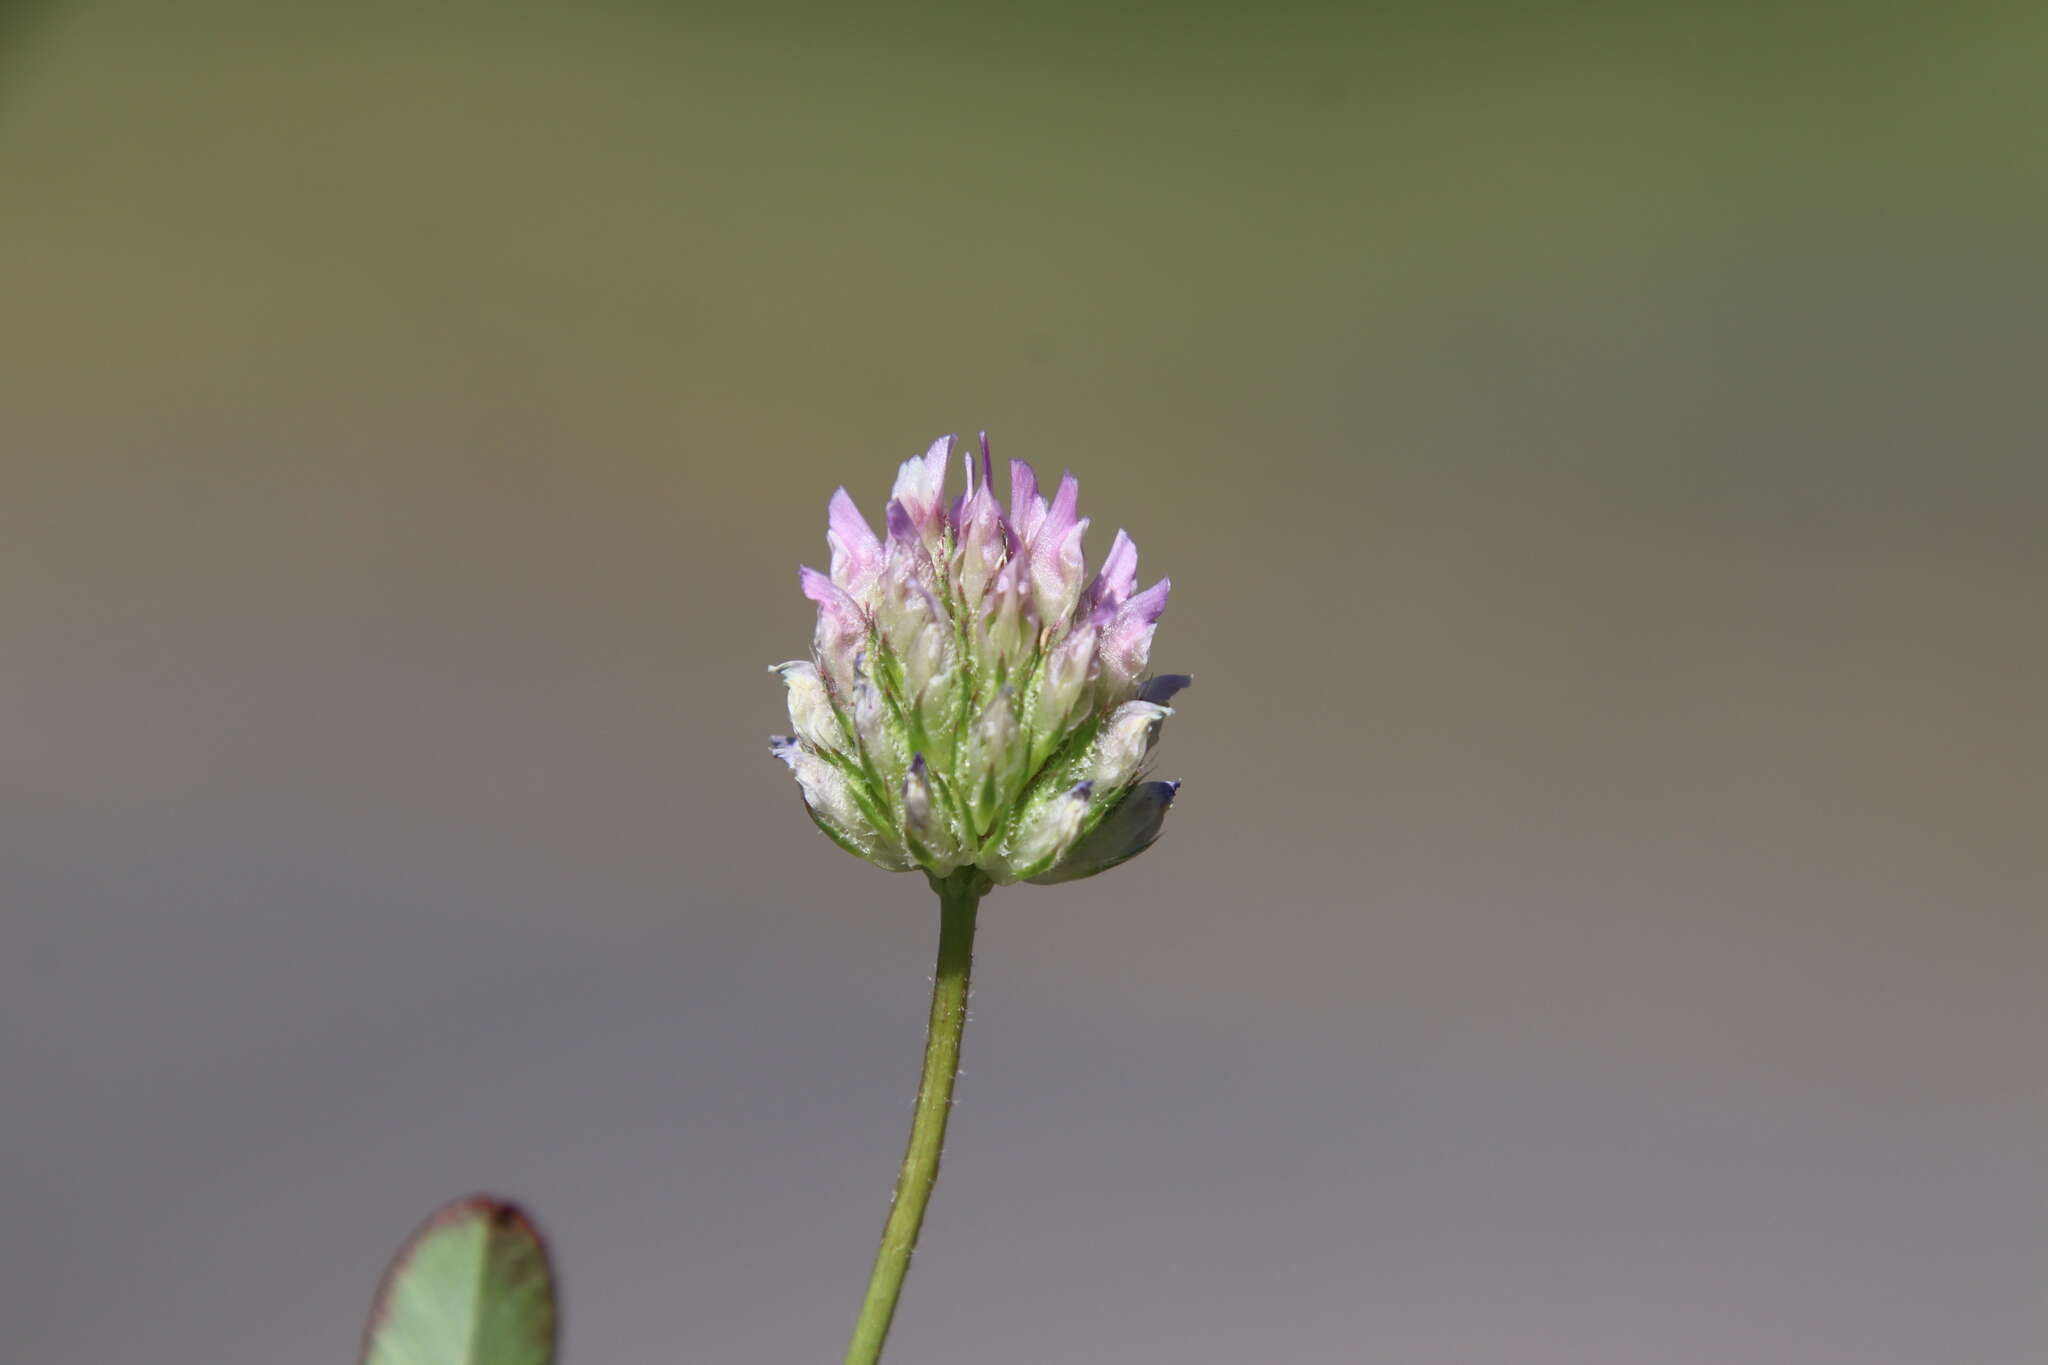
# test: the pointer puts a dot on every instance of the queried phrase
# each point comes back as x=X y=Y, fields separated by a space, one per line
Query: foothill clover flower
x=973 y=699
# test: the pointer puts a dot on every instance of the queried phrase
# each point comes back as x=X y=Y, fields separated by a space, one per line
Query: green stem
x=959 y=896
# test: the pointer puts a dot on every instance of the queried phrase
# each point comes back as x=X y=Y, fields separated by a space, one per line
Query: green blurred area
x=1155 y=220
x=1714 y=261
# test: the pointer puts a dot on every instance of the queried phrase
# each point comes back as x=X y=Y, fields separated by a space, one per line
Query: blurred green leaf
x=471 y=1287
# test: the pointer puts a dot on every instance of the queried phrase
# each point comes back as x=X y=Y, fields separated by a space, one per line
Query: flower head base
x=973 y=699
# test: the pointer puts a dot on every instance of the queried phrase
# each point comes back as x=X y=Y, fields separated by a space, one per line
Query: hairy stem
x=959 y=896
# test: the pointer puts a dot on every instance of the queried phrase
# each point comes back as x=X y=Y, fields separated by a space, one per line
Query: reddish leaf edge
x=503 y=1216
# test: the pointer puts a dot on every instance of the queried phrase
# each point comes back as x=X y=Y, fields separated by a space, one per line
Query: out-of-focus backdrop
x=1600 y=459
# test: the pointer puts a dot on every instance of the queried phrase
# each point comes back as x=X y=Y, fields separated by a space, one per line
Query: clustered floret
x=970 y=700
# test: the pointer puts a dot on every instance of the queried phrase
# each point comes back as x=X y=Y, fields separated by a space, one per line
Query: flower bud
x=1046 y=829
x=984 y=543
x=883 y=743
x=834 y=802
x=1064 y=690
x=929 y=828
x=1126 y=737
x=1126 y=831
x=810 y=710
x=1003 y=634
x=994 y=761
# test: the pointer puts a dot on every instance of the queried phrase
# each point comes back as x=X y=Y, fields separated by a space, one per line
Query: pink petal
x=1127 y=640
x=1111 y=586
x=1027 y=509
x=856 y=553
x=921 y=486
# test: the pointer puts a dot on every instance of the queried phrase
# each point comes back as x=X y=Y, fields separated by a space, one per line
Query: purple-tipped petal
x=1027 y=509
x=1127 y=640
x=1149 y=605
x=920 y=489
x=1065 y=500
x=856 y=553
x=981 y=549
x=1056 y=558
x=902 y=523
x=986 y=483
x=1114 y=583
x=828 y=595
x=842 y=626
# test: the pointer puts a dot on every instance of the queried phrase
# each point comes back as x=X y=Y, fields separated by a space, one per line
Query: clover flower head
x=973 y=698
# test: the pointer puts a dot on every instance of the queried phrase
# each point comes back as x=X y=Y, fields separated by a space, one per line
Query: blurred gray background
x=1600 y=461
